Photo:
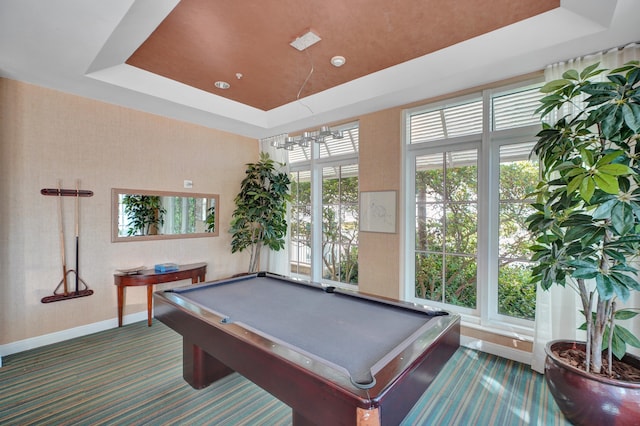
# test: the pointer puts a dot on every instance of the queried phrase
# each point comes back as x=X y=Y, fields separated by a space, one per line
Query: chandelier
x=284 y=141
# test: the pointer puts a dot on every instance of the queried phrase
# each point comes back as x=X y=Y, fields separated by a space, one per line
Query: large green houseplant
x=587 y=212
x=145 y=213
x=261 y=207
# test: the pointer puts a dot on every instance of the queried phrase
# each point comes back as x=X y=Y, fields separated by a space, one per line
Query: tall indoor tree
x=587 y=219
x=260 y=217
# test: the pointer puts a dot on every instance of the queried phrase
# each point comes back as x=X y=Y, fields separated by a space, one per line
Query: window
x=469 y=169
x=446 y=187
x=518 y=177
x=300 y=224
x=340 y=223
x=325 y=209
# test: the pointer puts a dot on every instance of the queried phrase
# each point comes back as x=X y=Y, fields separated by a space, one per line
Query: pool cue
x=77 y=217
x=64 y=261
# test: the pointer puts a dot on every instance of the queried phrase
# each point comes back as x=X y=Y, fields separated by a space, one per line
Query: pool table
x=336 y=357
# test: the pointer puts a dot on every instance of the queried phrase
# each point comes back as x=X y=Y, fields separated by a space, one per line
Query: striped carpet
x=133 y=376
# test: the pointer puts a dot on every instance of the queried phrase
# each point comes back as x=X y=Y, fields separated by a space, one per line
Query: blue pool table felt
x=349 y=333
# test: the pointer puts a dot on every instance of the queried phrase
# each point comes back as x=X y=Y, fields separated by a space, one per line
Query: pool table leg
x=200 y=369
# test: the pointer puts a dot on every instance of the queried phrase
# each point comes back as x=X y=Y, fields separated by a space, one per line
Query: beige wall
x=47 y=135
x=379 y=169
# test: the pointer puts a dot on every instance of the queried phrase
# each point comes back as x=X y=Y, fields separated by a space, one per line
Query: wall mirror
x=156 y=215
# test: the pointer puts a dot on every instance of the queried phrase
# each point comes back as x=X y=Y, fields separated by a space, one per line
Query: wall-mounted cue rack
x=66 y=192
x=62 y=291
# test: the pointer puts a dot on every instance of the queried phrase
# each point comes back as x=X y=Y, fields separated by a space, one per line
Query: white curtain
x=277 y=261
x=557 y=310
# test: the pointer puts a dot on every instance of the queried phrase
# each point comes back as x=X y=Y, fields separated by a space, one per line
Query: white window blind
x=447 y=122
x=516 y=109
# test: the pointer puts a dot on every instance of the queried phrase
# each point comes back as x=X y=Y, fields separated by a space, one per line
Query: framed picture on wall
x=378 y=211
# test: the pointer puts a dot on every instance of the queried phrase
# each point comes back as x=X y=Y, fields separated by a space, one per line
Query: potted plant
x=261 y=207
x=144 y=213
x=586 y=226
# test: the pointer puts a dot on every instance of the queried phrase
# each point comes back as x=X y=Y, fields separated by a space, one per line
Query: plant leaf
x=571 y=75
x=626 y=336
x=618 y=346
x=554 y=85
x=603 y=211
x=615 y=169
x=622 y=218
x=587 y=188
x=607 y=183
x=631 y=113
x=624 y=314
x=604 y=286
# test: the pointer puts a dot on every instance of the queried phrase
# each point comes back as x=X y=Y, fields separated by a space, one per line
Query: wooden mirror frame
x=115 y=204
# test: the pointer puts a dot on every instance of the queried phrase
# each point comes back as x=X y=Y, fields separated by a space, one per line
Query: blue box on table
x=166 y=267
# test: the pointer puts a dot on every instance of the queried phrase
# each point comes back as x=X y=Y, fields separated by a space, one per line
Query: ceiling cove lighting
x=284 y=141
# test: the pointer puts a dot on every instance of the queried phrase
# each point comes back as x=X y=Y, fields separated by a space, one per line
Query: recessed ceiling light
x=338 y=61
x=222 y=85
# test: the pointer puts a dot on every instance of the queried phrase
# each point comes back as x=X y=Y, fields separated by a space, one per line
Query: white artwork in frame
x=378 y=211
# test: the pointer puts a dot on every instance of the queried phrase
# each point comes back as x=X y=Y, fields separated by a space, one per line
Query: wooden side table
x=149 y=277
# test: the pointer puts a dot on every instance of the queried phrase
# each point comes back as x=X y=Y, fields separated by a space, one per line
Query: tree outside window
x=446 y=228
x=518 y=177
x=340 y=223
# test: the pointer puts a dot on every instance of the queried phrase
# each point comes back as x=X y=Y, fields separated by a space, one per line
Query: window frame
x=315 y=165
x=461 y=143
x=488 y=142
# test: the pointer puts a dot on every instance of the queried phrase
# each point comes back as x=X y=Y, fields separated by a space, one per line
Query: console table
x=149 y=277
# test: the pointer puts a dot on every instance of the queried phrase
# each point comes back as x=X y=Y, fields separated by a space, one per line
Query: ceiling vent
x=306 y=40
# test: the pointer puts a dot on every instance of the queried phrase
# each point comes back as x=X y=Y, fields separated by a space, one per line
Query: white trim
x=523 y=357
x=60 y=336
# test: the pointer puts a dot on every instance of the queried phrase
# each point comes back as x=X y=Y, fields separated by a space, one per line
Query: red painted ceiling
x=204 y=41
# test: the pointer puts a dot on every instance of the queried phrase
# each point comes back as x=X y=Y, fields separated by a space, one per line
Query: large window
x=469 y=170
x=324 y=211
x=446 y=187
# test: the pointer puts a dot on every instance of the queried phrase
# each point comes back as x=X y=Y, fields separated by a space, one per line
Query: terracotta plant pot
x=586 y=399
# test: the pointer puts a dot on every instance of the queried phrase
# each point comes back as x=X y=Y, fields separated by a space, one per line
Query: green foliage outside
x=516 y=293
x=446 y=237
x=458 y=280
x=340 y=229
x=339 y=225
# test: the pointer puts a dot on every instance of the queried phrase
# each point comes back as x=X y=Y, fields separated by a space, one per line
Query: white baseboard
x=59 y=336
x=495 y=349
